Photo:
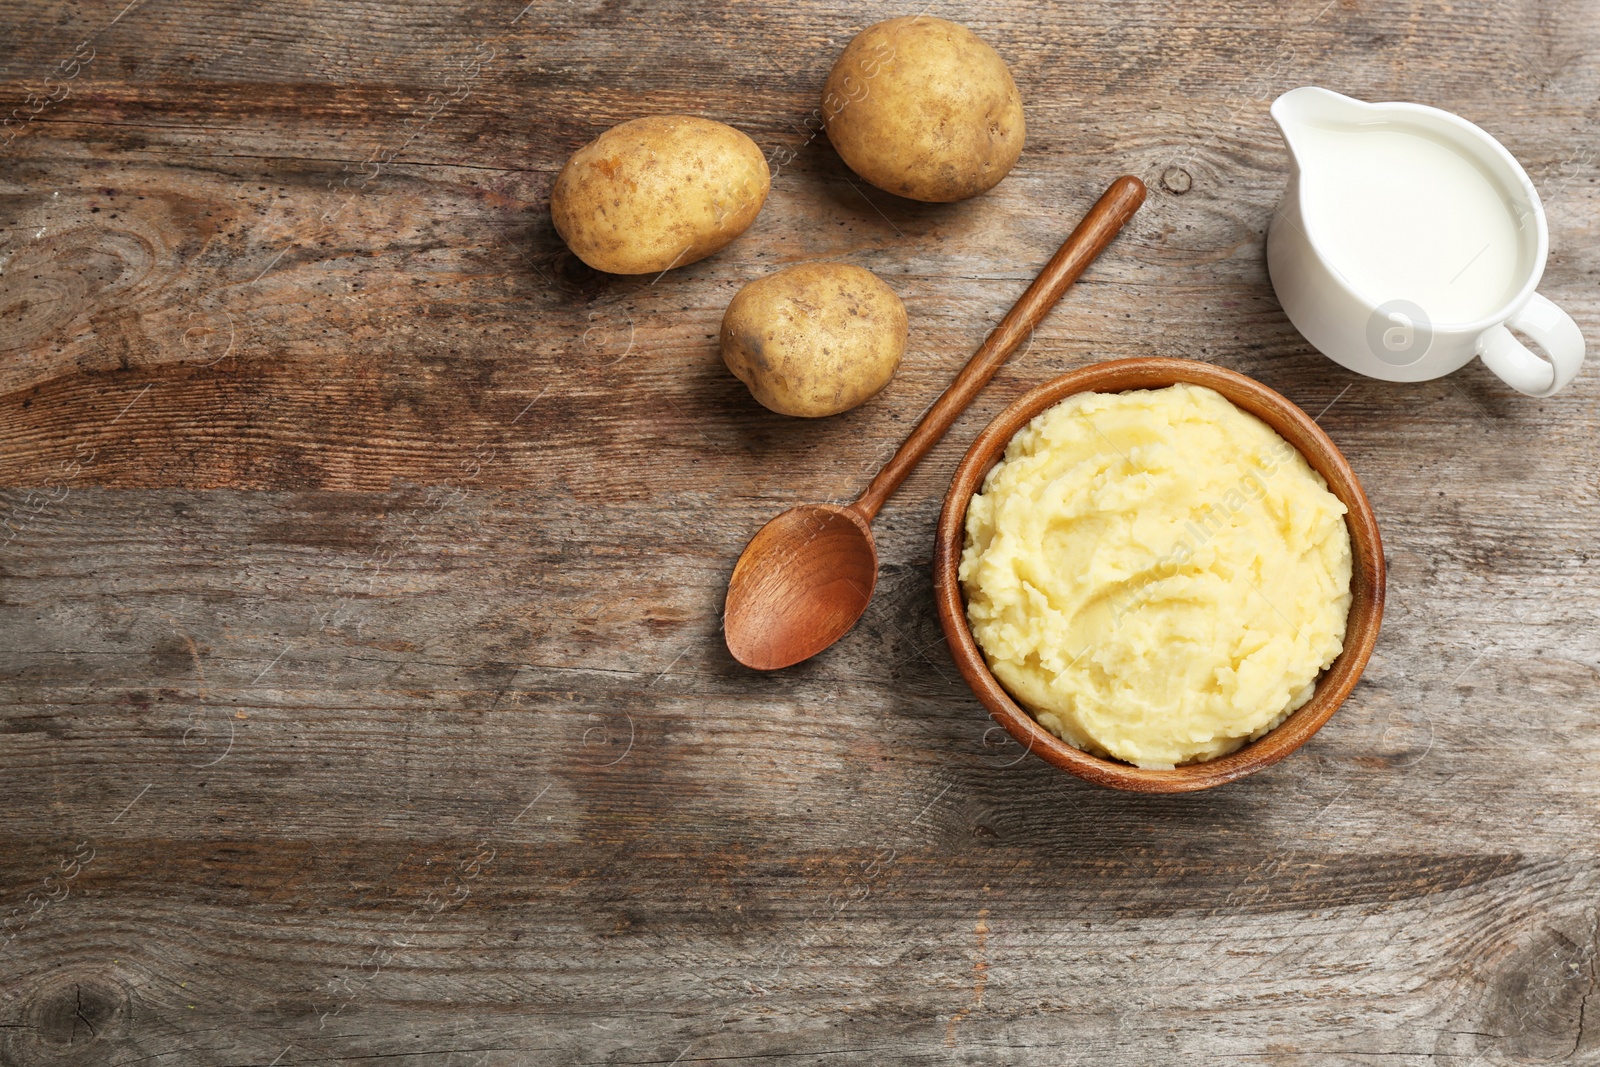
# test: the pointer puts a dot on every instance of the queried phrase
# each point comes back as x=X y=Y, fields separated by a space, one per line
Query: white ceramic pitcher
x=1408 y=240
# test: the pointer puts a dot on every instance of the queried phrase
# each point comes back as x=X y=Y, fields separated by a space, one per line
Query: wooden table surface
x=365 y=700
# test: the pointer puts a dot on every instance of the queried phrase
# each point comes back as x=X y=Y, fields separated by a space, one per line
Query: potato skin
x=814 y=339
x=658 y=192
x=923 y=108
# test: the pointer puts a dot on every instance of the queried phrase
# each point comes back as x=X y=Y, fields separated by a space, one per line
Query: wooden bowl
x=1366 y=585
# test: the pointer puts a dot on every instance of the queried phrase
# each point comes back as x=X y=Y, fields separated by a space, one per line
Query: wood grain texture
x=364 y=695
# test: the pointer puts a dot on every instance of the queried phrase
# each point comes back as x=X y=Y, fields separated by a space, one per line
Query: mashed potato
x=1156 y=575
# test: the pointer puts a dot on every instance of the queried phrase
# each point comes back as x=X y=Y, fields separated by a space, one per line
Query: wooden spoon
x=806 y=576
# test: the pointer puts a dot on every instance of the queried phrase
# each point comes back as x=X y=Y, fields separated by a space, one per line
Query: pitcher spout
x=1309 y=105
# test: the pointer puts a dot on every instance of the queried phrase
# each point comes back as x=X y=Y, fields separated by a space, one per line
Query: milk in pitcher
x=1404 y=216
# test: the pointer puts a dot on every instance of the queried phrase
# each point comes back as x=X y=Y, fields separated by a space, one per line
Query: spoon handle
x=1091 y=236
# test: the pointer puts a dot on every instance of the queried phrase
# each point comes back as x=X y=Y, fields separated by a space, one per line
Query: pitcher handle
x=1517 y=365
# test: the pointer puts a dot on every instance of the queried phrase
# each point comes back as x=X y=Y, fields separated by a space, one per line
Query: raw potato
x=658 y=192
x=815 y=339
x=922 y=108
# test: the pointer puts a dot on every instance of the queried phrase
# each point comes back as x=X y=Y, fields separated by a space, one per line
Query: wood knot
x=61 y=277
x=576 y=280
x=68 y=1011
x=1177 y=180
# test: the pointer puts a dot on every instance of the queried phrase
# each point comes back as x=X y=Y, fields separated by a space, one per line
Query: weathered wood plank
x=363 y=553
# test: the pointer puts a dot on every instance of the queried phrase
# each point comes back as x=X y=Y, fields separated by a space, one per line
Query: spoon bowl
x=803 y=581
